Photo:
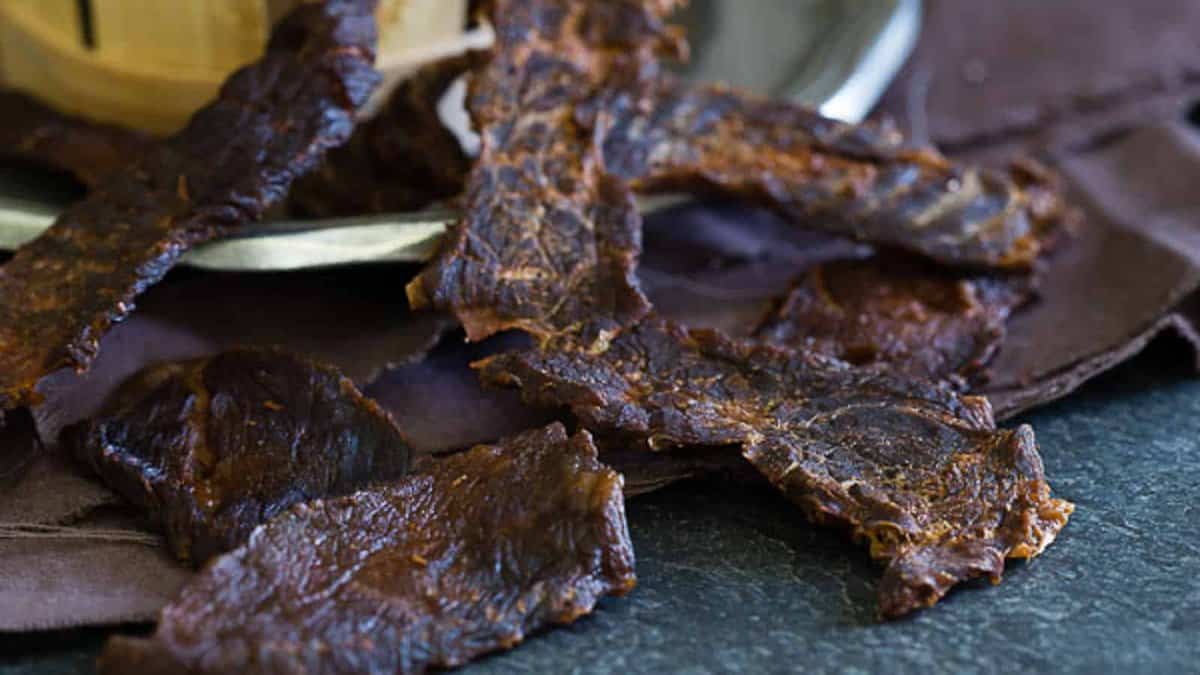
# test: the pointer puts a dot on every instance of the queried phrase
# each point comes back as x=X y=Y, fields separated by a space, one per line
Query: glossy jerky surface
x=860 y=181
x=919 y=320
x=549 y=242
x=403 y=159
x=32 y=132
x=919 y=474
x=214 y=447
x=471 y=557
x=272 y=121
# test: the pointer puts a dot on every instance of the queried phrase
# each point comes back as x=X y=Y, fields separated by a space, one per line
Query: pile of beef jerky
x=331 y=539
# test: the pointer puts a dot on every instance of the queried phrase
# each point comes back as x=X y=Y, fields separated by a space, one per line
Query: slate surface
x=735 y=580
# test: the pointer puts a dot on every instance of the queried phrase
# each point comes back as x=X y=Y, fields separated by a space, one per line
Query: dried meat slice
x=859 y=181
x=403 y=159
x=549 y=242
x=31 y=131
x=471 y=557
x=272 y=121
x=917 y=472
x=920 y=320
x=214 y=447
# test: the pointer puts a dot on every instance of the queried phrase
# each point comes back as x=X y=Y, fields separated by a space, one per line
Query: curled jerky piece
x=920 y=320
x=918 y=473
x=549 y=242
x=272 y=121
x=487 y=547
x=214 y=447
x=854 y=180
x=402 y=159
x=33 y=132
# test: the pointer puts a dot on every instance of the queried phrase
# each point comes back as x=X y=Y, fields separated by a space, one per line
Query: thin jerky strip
x=403 y=159
x=271 y=122
x=918 y=473
x=548 y=243
x=858 y=181
x=487 y=547
x=31 y=131
x=920 y=320
x=213 y=448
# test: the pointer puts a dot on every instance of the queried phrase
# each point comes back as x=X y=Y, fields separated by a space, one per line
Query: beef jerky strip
x=860 y=181
x=920 y=320
x=548 y=243
x=402 y=159
x=31 y=131
x=272 y=121
x=918 y=473
x=487 y=547
x=214 y=447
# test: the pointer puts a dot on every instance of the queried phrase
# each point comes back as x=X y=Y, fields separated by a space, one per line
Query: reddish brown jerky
x=549 y=242
x=487 y=547
x=31 y=131
x=272 y=121
x=920 y=320
x=402 y=159
x=855 y=180
x=917 y=472
x=214 y=447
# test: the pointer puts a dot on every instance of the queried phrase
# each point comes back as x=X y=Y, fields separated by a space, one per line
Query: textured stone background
x=735 y=580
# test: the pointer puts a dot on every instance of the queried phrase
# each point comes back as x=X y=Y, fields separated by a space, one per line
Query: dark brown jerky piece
x=487 y=547
x=860 y=181
x=214 y=447
x=272 y=121
x=645 y=471
x=31 y=131
x=918 y=473
x=402 y=159
x=549 y=242
x=920 y=320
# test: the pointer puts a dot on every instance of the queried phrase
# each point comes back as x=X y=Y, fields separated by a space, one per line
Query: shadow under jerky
x=487 y=547
x=61 y=292
x=920 y=474
x=214 y=447
x=354 y=319
x=34 y=133
x=20 y=446
x=403 y=159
